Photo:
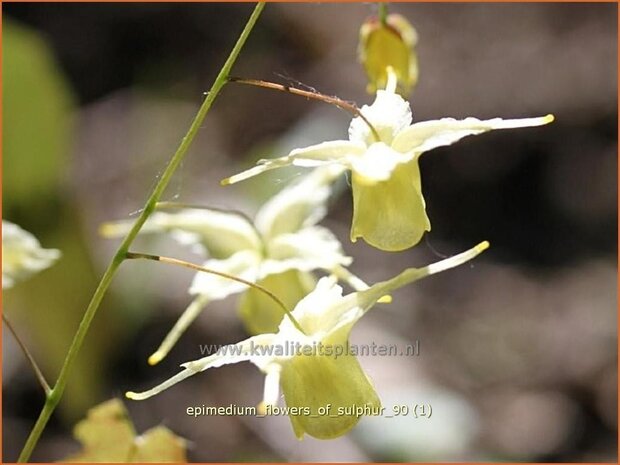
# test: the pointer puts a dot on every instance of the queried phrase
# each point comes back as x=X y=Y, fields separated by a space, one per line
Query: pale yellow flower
x=311 y=380
x=22 y=254
x=390 y=45
x=278 y=251
x=389 y=211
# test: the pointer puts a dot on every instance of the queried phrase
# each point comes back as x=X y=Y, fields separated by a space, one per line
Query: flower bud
x=389 y=44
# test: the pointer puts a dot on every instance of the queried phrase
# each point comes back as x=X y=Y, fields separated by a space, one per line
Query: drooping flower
x=316 y=367
x=22 y=254
x=389 y=44
x=389 y=211
x=278 y=251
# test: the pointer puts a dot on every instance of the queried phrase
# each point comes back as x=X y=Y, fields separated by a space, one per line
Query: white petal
x=355 y=282
x=378 y=163
x=352 y=280
x=313 y=312
x=271 y=393
x=326 y=310
x=261 y=167
x=309 y=249
x=233 y=353
x=366 y=299
x=389 y=114
x=331 y=152
x=242 y=265
x=300 y=204
x=221 y=233
x=427 y=135
x=22 y=254
x=185 y=320
x=254 y=349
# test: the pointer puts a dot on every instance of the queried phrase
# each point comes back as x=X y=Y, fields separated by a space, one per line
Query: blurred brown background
x=518 y=352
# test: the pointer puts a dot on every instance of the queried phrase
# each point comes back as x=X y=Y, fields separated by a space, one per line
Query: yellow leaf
x=108 y=435
x=159 y=444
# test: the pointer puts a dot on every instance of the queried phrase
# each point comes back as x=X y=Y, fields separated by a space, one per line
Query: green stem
x=383 y=13
x=53 y=397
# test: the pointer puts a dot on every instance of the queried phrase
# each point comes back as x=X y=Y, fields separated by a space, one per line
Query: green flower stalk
x=278 y=252
x=22 y=254
x=389 y=211
x=311 y=378
x=55 y=394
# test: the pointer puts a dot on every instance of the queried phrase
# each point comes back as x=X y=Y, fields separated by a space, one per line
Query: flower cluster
x=315 y=380
x=278 y=251
x=284 y=245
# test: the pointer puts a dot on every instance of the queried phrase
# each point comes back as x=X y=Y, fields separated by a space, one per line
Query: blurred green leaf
x=38 y=114
x=37 y=106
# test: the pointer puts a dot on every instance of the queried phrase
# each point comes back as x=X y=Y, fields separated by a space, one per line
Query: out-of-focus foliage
x=108 y=435
x=37 y=106
x=38 y=132
x=444 y=436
